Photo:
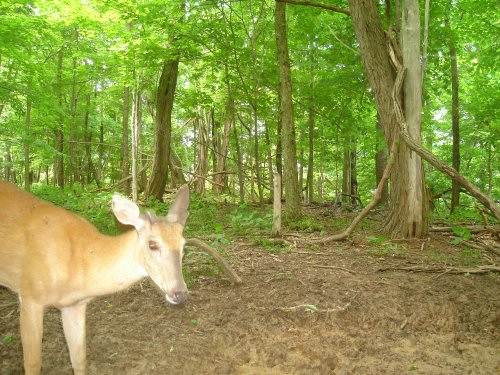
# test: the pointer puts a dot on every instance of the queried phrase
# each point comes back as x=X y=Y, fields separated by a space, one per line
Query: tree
x=407 y=186
x=290 y=174
x=163 y=128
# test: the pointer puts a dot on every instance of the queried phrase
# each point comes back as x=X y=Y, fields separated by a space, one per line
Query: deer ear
x=178 y=212
x=127 y=212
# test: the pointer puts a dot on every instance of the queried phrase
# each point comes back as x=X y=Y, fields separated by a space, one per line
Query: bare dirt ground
x=303 y=310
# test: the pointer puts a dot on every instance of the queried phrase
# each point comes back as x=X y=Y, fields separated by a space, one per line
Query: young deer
x=51 y=257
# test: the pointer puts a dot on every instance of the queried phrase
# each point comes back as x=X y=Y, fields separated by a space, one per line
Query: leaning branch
x=235 y=279
x=318 y=5
x=369 y=206
x=424 y=153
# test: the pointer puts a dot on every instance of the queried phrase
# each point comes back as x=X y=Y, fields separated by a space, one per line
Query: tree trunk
x=136 y=119
x=380 y=163
x=241 y=178
x=455 y=119
x=27 y=145
x=163 y=129
x=290 y=176
x=124 y=154
x=269 y=161
x=73 y=133
x=203 y=122
x=176 y=172
x=221 y=176
x=59 y=134
x=407 y=188
x=310 y=159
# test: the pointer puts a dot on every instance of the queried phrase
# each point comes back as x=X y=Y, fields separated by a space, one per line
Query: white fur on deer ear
x=127 y=212
x=178 y=212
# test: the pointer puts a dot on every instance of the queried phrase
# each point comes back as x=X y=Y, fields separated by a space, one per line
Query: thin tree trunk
x=163 y=128
x=124 y=155
x=269 y=163
x=59 y=133
x=136 y=119
x=221 y=177
x=241 y=179
x=290 y=175
x=27 y=145
x=455 y=119
x=73 y=134
x=310 y=159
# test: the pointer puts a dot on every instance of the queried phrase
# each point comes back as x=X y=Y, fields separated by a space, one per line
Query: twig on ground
x=443 y=270
x=332 y=268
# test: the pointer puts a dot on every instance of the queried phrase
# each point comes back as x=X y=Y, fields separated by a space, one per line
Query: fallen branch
x=332 y=268
x=452 y=270
x=228 y=270
x=471 y=228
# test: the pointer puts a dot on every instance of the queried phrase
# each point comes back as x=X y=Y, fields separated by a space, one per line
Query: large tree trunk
x=290 y=176
x=380 y=163
x=163 y=128
x=409 y=191
x=407 y=187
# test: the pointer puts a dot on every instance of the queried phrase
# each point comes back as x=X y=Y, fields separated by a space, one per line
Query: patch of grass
x=436 y=255
x=305 y=224
x=469 y=257
x=284 y=275
x=388 y=250
x=8 y=340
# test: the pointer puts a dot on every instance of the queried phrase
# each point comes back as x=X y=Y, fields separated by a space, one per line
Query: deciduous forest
x=373 y=124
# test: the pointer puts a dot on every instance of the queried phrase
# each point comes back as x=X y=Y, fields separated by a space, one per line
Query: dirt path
x=292 y=315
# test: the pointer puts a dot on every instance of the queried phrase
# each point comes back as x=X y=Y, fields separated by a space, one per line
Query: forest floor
x=301 y=309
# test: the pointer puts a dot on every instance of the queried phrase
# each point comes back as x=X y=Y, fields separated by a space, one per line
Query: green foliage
x=385 y=250
x=461 y=234
x=8 y=340
x=306 y=224
x=244 y=220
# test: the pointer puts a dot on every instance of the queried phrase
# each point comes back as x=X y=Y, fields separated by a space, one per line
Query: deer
x=52 y=257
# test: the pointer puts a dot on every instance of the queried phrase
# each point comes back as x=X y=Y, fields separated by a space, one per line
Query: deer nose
x=177 y=297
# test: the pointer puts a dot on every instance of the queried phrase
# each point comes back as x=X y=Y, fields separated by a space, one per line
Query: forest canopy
x=85 y=89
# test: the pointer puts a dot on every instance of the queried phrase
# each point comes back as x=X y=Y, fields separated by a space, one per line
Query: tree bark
x=376 y=59
x=416 y=209
x=27 y=145
x=59 y=134
x=163 y=128
x=290 y=176
x=455 y=119
x=380 y=163
x=136 y=125
x=124 y=154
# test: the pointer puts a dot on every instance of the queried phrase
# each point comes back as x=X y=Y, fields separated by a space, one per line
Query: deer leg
x=73 y=318
x=31 y=325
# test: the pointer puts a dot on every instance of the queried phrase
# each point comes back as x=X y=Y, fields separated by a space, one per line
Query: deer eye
x=153 y=245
